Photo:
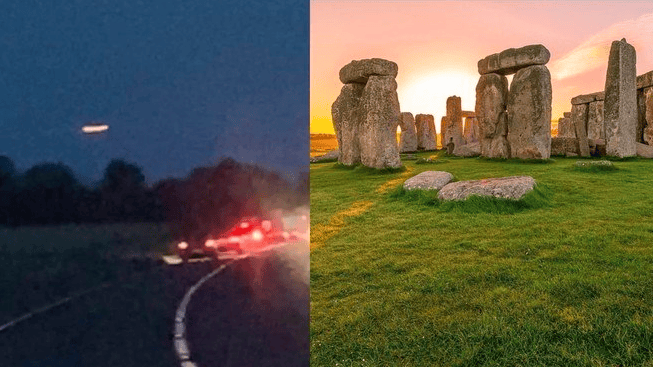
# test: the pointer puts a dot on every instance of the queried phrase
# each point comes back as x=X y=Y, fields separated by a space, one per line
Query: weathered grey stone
x=511 y=60
x=428 y=180
x=514 y=187
x=470 y=132
x=647 y=128
x=641 y=115
x=564 y=146
x=620 y=108
x=346 y=122
x=644 y=80
x=491 y=98
x=587 y=98
x=425 y=125
x=579 y=116
x=529 y=113
x=408 y=139
x=359 y=71
x=644 y=150
x=565 y=128
x=454 y=126
x=379 y=111
x=469 y=150
x=595 y=128
x=333 y=154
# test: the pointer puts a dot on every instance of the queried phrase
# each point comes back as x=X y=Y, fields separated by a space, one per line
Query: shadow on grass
x=537 y=199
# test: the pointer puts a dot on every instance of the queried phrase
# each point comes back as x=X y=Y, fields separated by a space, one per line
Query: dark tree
x=123 y=192
x=212 y=199
x=46 y=194
x=7 y=188
x=7 y=169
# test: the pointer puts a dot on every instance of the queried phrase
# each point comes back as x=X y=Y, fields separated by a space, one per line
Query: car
x=248 y=234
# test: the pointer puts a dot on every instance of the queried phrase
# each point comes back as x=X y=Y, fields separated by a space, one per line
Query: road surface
x=252 y=313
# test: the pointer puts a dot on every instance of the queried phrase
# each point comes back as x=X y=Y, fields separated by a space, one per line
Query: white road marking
x=51 y=306
x=180 y=342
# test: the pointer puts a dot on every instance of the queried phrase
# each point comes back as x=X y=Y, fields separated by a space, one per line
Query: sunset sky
x=437 y=45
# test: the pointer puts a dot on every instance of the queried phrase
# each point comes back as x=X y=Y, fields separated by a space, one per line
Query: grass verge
x=561 y=277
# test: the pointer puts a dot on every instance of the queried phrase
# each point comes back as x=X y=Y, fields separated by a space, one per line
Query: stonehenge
x=366 y=114
x=453 y=129
x=470 y=130
x=408 y=139
x=565 y=128
x=510 y=120
x=425 y=125
x=645 y=108
x=620 y=104
x=515 y=121
x=623 y=128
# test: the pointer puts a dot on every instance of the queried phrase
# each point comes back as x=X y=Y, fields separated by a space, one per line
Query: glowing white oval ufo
x=95 y=128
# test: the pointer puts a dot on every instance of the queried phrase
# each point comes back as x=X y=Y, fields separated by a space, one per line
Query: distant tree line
x=49 y=194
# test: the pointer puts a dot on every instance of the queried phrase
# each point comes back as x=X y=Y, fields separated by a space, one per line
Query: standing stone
x=595 y=128
x=491 y=98
x=565 y=129
x=454 y=127
x=346 y=122
x=647 y=133
x=529 y=113
x=641 y=114
x=470 y=131
x=443 y=126
x=620 y=106
x=426 y=138
x=380 y=114
x=579 y=120
x=408 y=140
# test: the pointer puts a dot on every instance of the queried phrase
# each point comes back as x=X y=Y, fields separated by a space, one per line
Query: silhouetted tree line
x=49 y=193
x=212 y=199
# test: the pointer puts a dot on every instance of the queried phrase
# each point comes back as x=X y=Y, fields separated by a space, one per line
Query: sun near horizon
x=437 y=46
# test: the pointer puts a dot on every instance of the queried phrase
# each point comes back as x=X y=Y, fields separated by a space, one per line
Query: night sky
x=180 y=83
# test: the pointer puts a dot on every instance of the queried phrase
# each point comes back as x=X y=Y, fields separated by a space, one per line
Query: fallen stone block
x=514 y=187
x=334 y=154
x=428 y=180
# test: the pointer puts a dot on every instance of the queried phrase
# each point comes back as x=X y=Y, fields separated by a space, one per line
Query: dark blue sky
x=180 y=83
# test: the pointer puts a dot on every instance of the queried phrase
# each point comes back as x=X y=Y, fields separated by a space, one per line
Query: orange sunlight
x=428 y=93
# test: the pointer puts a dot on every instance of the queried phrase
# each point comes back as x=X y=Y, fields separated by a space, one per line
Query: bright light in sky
x=428 y=94
x=95 y=128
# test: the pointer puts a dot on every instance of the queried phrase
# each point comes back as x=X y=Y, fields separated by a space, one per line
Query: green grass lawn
x=562 y=278
x=41 y=265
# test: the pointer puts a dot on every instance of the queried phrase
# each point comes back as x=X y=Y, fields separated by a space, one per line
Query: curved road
x=253 y=313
